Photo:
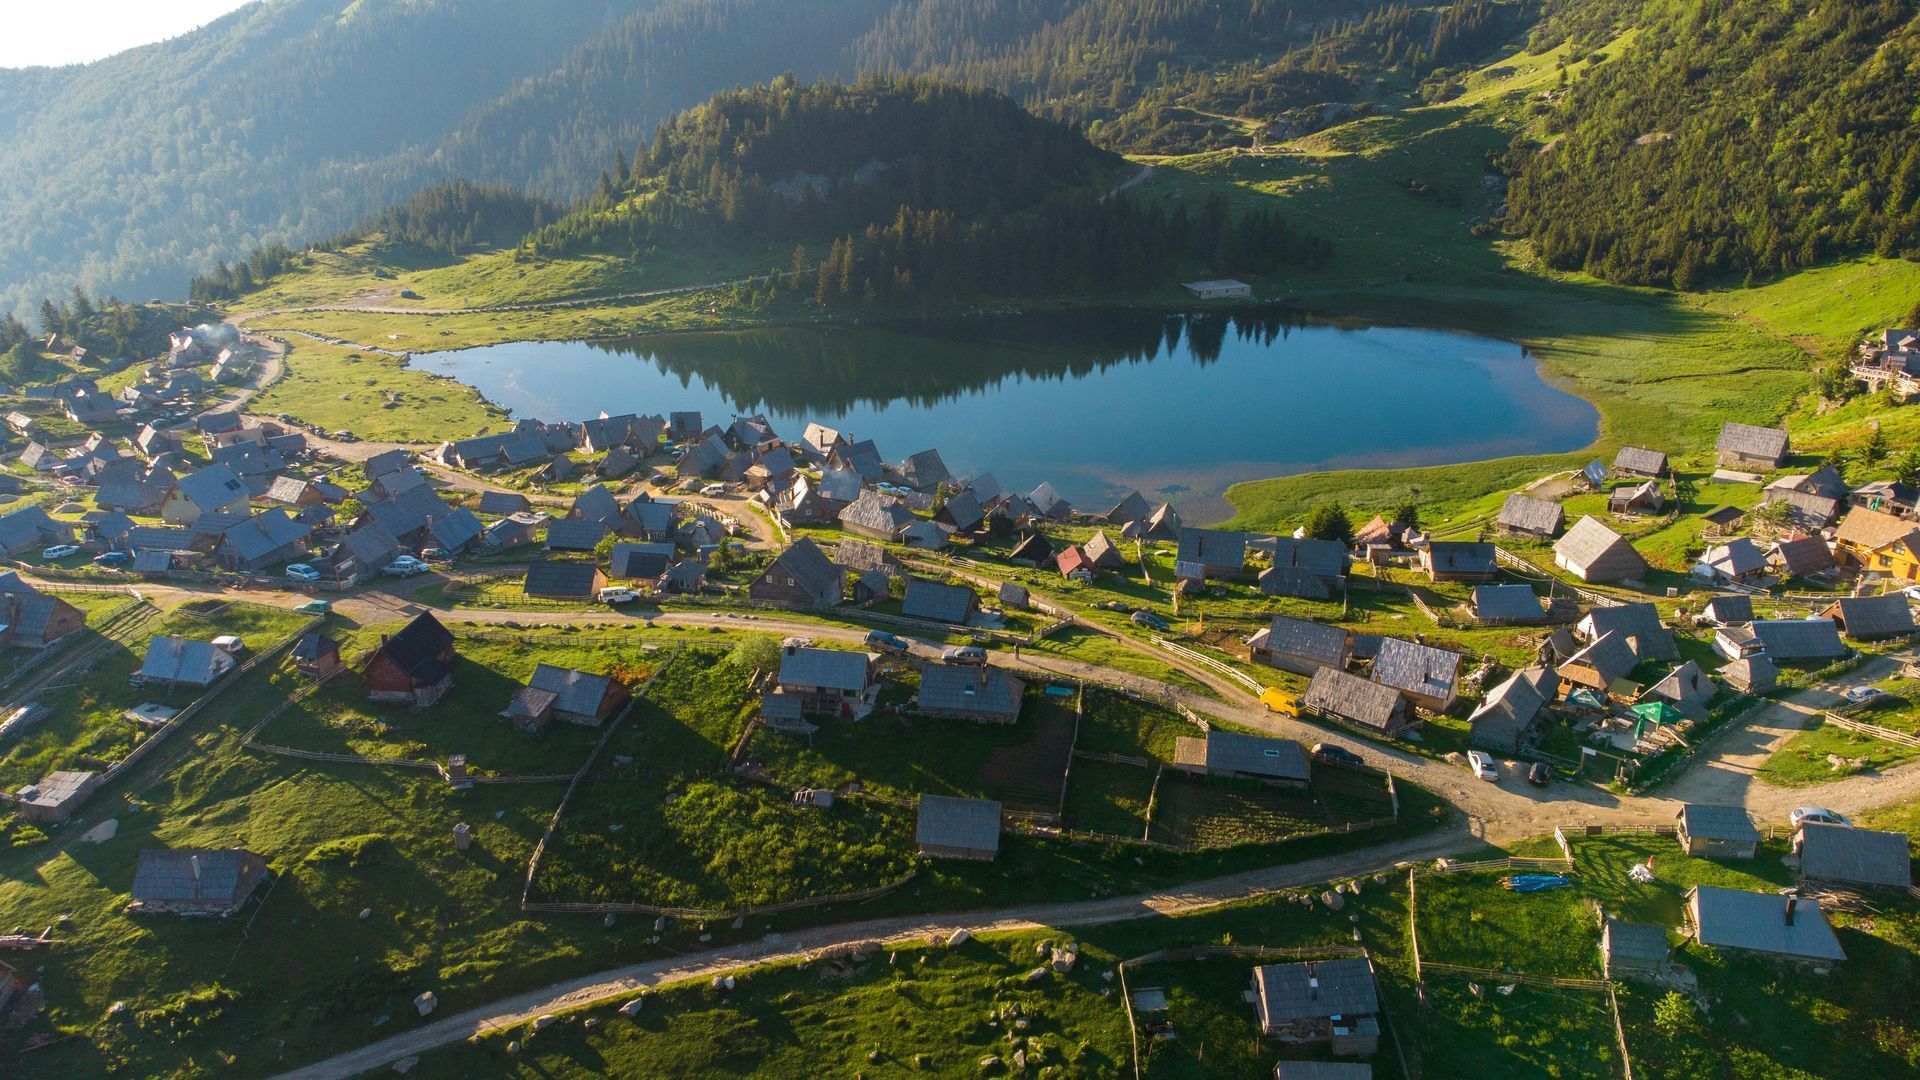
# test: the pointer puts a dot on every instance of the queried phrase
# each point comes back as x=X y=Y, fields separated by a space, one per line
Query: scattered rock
x=991 y=1061
x=544 y=1021
x=739 y=921
x=1036 y=975
x=1019 y=1060
x=1022 y=1024
x=102 y=832
x=632 y=1008
x=366 y=913
x=591 y=1023
x=706 y=937
x=426 y=1002
x=405 y=1065
x=513 y=1049
x=958 y=937
x=118 y=1008
x=381 y=1019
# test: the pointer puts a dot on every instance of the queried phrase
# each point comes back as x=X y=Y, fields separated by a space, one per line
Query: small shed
x=55 y=797
x=1634 y=950
x=317 y=656
x=953 y=828
x=1718 y=832
x=1524 y=515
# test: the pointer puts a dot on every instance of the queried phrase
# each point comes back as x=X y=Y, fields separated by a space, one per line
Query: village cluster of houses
x=1891 y=363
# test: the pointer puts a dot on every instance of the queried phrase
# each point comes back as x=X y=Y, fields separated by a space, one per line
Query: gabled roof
x=1799 y=639
x=832 y=669
x=176 y=659
x=1752 y=441
x=925 y=470
x=1034 y=548
x=409 y=511
x=1687 y=687
x=1640 y=460
x=1255 y=755
x=1132 y=507
x=574 y=534
x=418 y=649
x=1735 y=559
x=596 y=504
x=1638 y=623
x=1860 y=856
x=1353 y=698
x=876 y=513
x=987 y=691
x=1871 y=530
x=1462 y=557
x=962 y=511
x=1757 y=921
x=1213 y=547
x=1413 y=668
x=573 y=691
x=1802 y=555
x=937 y=601
x=455 y=530
x=1048 y=501
x=574 y=580
x=212 y=487
x=809 y=566
x=1608 y=655
x=649 y=561
x=840 y=485
x=1507 y=603
x=948 y=822
x=1705 y=822
x=1315 y=990
x=187 y=876
x=1729 y=610
x=503 y=503
x=263 y=535
x=371 y=545
x=1313 y=641
x=1597 y=549
x=1754 y=673
x=1526 y=513
x=862 y=457
x=1511 y=707
x=1869 y=617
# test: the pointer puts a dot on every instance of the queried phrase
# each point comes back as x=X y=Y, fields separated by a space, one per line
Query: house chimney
x=1789 y=911
x=193 y=864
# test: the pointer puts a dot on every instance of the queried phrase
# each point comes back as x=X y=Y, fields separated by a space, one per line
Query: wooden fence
x=1509 y=863
x=194 y=707
x=1521 y=977
x=1900 y=738
x=1246 y=681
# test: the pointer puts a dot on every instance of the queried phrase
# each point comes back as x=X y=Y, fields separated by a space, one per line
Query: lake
x=1178 y=406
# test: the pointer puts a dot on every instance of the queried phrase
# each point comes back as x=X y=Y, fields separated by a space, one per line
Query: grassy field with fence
x=492 y=666
x=86 y=727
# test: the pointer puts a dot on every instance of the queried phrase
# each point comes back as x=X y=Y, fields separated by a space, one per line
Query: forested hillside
x=1730 y=137
x=910 y=190
x=295 y=119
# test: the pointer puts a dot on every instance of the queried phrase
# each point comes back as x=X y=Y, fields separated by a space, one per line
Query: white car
x=1819 y=815
x=59 y=551
x=1482 y=766
x=714 y=489
x=1861 y=695
x=302 y=572
x=613 y=594
x=404 y=566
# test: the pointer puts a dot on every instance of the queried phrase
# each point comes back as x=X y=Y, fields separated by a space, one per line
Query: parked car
x=964 y=654
x=885 y=642
x=1863 y=695
x=230 y=644
x=112 y=559
x=1482 y=766
x=435 y=554
x=315 y=607
x=1327 y=751
x=1539 y=774
x=714 y=489
x=302 y=572
x=1149 y=620
x=59 y=551
x=404 y=566
x=1819 y=815
x=616 y=594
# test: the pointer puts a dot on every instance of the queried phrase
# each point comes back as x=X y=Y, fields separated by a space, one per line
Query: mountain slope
x=1729 y=137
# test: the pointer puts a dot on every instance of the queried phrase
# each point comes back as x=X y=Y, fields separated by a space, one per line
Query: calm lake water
x=1178 y=406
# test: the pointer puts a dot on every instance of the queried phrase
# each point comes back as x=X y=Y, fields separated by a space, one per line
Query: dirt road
x=623 y=981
